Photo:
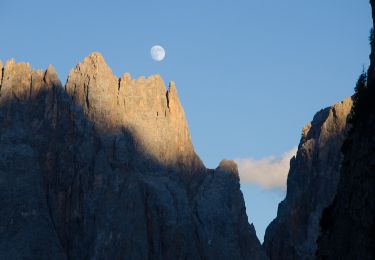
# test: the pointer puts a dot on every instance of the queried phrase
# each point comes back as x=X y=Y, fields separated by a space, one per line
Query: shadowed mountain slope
x=105 y=169
x=311 y=186
x=348 y=225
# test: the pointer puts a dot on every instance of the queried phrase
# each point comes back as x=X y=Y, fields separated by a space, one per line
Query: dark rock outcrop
x=311 y=185
x=348 y=225
x=105 y=169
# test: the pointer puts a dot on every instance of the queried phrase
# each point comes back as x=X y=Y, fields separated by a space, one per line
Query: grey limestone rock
x=311 y=186
x=105 y=169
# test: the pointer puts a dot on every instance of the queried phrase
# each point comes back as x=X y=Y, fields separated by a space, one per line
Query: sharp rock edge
x=105 y=169
x=312 y=183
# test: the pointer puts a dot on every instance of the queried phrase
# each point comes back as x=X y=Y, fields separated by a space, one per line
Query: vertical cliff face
x=144 y=107
x=105 y=169
x=26 y=228
x=311 y=186
x=348 y=225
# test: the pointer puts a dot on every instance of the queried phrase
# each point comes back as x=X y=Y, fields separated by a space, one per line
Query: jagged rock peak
x=20 y=81
x=95 y=56
x=94 y=60
x=228 y=166
x=312 y=184
x=16 y=81
x=51 y=76
x=134 y=191
x=92 y=85
x=143 y=106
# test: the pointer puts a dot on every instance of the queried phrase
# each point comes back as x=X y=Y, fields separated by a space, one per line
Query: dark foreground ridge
x=348 y=225
x=105 y=169
x=329 y=209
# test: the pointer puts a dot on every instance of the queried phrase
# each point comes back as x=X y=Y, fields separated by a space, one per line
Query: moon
x=157 y=53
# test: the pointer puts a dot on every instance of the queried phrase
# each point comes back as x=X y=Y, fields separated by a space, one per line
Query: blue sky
x=250 y=74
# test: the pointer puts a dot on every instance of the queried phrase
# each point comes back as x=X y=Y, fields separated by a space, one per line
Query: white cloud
x=270 y=172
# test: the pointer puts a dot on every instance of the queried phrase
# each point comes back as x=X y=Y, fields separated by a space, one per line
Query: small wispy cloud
x=269 y=172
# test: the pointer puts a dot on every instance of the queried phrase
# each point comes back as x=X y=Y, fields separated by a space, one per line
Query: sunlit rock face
x=105 y=169
x=311 y=186
x=153 y=115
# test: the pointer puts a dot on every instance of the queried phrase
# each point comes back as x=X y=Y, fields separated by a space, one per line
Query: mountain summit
x=104 y=168
x=312 y=183
x=144 y=107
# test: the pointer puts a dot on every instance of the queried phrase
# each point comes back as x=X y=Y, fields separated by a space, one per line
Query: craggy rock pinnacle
x=16 y=81
x=105 y=169
x=228 y=166
x=311 y=187
x=144 y=107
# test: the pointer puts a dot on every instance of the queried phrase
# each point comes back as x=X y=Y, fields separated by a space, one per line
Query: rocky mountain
x=104 y=168
x=348 y=225
x=311 y=185
x=329 y=209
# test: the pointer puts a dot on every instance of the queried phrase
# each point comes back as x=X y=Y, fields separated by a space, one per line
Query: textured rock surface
x=26 y=228
x=105 y=169
x=348 y=225
x=311 y=186
x=153 y=116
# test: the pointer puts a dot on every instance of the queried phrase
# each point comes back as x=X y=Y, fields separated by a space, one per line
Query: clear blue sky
x=250 y=73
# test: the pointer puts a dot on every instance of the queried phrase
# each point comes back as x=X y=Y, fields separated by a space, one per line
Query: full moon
x=157 y=53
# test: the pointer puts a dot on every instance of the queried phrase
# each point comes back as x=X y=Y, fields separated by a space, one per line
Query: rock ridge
x=105 y=169
x=137 y=105
x=311 y=185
